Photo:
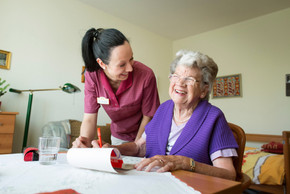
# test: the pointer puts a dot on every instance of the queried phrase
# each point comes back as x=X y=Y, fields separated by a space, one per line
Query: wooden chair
x=286 y=150
x=240 y=137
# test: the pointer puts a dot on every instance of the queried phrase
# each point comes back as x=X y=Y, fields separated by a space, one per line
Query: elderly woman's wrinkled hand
x=163 y=163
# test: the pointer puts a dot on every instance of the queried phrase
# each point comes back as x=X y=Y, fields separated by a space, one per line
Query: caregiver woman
x=125 y=88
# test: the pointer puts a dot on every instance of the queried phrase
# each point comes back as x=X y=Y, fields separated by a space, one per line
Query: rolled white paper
x=92 y=158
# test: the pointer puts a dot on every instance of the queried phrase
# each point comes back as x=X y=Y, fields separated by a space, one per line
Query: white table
x=17 y=176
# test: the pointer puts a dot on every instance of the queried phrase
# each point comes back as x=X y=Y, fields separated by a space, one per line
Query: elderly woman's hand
x=164 y=163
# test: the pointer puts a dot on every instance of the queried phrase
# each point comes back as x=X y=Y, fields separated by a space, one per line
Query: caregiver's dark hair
x=99 y=44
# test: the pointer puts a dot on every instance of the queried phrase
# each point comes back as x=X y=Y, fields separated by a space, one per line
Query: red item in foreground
x=31 y=154
x=64 y=191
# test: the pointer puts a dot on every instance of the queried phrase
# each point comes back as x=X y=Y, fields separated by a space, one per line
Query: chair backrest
x=58 y=129
x=240 y=137
x=286 y=151
x=75 y=127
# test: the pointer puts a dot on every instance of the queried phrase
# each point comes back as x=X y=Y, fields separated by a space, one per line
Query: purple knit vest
x=206 y=132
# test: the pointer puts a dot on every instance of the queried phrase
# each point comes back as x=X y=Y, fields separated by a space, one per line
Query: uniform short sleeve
x=91 y=105
x=150 y=102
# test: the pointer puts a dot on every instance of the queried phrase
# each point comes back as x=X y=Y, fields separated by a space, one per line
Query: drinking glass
x=48 y=148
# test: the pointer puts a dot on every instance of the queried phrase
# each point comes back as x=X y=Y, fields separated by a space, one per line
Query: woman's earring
x=101 y=64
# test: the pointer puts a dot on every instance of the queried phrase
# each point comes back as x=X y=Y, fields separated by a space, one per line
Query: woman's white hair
x=198 y=60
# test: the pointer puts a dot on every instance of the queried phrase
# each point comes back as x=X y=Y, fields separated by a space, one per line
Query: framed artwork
x=5 y=57
x=83 y=74
x=227 y=86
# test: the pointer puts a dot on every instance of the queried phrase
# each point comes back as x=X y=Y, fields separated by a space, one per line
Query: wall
x=44 y=38
x=259 y=49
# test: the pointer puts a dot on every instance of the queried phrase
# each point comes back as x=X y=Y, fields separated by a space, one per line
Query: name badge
x=103 y=100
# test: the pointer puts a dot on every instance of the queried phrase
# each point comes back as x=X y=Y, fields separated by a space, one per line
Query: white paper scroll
x=92 y=158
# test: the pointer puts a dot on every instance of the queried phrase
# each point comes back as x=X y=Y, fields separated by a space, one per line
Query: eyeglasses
x=187 y=80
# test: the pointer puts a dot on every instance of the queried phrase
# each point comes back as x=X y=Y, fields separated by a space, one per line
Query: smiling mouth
x=180 y=92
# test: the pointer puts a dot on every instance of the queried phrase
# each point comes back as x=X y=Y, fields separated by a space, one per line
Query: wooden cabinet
x=7 y=125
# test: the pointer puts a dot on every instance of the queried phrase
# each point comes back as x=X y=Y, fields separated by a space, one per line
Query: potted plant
x=3 y=88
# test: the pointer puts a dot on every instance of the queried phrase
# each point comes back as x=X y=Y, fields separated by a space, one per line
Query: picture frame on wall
x=83 y=74
x=227 y=86
x=5 y=57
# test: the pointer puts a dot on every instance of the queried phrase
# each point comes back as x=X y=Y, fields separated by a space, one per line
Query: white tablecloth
x=17 y=176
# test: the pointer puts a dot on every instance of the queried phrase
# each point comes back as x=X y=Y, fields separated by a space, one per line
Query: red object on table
x=31 y=154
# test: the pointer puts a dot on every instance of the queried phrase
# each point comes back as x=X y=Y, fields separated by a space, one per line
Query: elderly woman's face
x=184 y=86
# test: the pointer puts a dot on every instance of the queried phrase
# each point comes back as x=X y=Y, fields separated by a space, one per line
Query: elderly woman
x=187 y=132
